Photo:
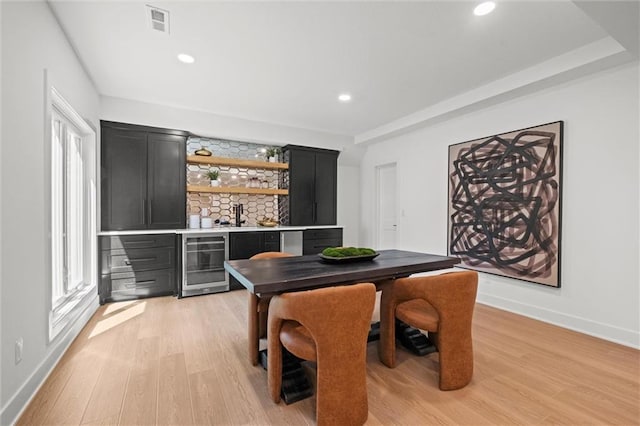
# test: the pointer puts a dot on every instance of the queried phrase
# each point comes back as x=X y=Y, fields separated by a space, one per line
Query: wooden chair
x=328 y=326
x=258 y=307
x=443 y=306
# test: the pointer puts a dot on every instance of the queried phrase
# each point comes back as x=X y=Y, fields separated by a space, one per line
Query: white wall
x=1 y=233
x=32 y=41
x=349 y=204
x=600 y=280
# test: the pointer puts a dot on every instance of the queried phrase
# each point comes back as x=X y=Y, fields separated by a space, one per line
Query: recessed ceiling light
x=484 y=8
x=187 y=59
x=344 y=97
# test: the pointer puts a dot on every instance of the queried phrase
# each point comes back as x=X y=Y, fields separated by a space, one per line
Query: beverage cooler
x=203 y=257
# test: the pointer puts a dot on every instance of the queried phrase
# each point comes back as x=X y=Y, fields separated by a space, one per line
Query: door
x=387 y=206
x=325 y=189
x=124 y=179
x=166 y=185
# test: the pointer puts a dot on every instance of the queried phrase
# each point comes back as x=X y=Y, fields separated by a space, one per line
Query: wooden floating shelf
x=236 y=190
x=235 y=162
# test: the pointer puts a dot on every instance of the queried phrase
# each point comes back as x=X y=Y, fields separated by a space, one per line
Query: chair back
x=338 y=320
x=453 y=296
x=270 y=255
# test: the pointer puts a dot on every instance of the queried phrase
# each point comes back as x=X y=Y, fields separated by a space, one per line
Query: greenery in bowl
x=213 y=174
x=272 y=152
x=347 y=251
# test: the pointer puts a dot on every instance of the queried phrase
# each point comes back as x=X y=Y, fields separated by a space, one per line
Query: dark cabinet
x=243 y=245
x=124 y=179
x=143 y=177
x=316 y=240
x=312 y=185
x=137 y=266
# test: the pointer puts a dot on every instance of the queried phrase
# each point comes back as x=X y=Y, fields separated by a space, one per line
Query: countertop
x=215 y=230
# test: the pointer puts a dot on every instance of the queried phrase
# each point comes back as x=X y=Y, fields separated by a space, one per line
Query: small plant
x=213 y=174
x=347 y=251
x=272 y=152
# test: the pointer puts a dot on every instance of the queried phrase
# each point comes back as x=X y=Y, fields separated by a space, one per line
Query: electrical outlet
x=19 y=347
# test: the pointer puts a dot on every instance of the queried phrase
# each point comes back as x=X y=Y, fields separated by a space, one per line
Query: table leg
x=253 y=325
x=374 y=332
x=295 y=385
x=413 y=339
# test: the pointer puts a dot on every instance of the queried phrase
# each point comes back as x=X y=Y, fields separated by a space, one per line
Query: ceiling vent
x=158 y=19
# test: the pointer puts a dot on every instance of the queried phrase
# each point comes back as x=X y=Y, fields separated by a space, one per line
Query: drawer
x=325 y=233
x=272 y=246
x=271 y=237
x=137 y=285
x=137 y=241
x=316 y=246
x=138 y=259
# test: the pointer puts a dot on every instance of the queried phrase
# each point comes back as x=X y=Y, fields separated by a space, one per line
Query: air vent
x=158 y=19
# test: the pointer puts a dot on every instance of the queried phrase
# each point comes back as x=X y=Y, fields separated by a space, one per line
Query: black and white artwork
x=504 y=203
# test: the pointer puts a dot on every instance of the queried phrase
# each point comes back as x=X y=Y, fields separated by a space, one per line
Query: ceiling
x=286 y=62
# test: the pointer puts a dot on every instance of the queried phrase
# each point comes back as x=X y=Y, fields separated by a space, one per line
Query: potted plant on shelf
x=272 y=154
x=214 y=174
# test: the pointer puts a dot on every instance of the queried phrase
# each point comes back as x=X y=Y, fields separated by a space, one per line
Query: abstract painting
x=504 y=203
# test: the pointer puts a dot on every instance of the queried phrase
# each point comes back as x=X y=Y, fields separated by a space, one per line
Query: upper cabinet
x=142 y=177
x=312 y=185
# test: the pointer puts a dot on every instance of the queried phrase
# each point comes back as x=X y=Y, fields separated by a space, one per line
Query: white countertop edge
x=215 y=230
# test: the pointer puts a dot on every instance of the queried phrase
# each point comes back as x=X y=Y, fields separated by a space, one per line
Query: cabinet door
x=271 y=241
x=316 y=240
x=325 y=189
x=166 y=192
x=302 y=165
x=124 y=179
x=243 y=245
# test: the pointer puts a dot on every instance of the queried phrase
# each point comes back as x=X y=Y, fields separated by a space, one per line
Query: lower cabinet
x=138 y=285
x=147 y=265
x=243 y=245
x=316 y=240
x=137 y=266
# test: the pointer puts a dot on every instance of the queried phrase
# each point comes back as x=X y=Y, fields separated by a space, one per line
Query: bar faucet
x=238 y=209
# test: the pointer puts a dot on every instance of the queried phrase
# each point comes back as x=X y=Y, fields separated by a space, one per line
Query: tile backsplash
x=220 y=206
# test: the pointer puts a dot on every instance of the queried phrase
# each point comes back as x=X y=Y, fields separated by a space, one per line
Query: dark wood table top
x=273 y=276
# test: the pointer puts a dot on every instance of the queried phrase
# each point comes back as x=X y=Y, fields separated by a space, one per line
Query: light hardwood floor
x=170 y=361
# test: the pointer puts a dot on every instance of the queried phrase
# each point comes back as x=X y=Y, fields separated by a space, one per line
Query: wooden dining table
x=268 y=277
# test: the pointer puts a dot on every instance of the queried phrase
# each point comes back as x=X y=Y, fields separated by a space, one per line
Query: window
x=73 y=269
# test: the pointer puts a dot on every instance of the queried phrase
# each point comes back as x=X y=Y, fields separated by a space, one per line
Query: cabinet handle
x=144 y=211
x=315 y=212
x=141 y=259
x=134 y=284
x=150 y=211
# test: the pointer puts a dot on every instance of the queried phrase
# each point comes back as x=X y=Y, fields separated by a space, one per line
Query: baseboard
x=14 y=408
x=600 y=330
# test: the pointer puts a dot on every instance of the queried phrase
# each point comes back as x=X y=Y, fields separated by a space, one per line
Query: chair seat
x=297 y=340
x=418 y=313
